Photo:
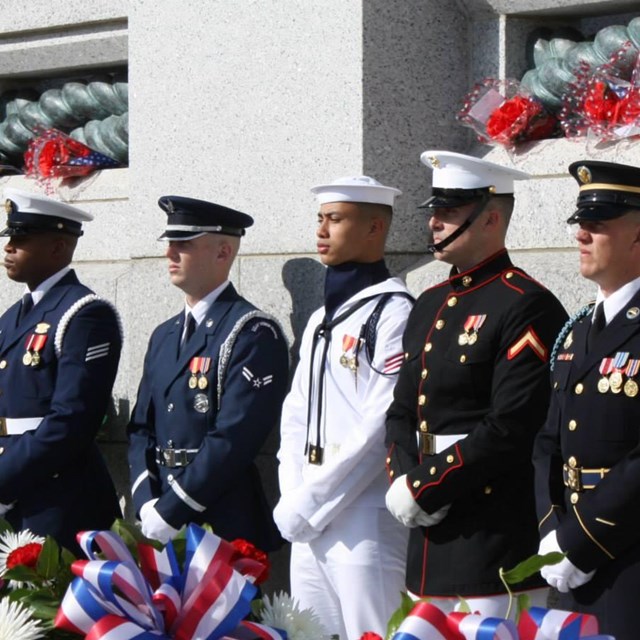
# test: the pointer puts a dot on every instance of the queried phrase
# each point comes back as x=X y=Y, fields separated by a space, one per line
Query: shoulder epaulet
x=227 y=346
x=72 y=310
x=564 y=332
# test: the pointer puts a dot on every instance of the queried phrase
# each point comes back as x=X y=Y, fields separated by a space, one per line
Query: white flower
x=10 y=543
x=16 y=622
x=285 y=613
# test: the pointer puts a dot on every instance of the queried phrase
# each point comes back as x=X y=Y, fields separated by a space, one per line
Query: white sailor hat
x=32 y=213
x=356 y=189
x=459 y=179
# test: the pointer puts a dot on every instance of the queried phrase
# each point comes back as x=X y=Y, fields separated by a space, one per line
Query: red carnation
x=247 y=550
x=26 y=555
x=519 y=119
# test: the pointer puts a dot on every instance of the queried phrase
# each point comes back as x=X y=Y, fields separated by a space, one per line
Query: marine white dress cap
x=458 y=171
x=356 y=189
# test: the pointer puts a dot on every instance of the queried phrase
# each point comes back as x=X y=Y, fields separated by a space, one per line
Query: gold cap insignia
x=42 y=327
x=584 y=175
x=435 y=163
x=492 y=189
x=632 y=313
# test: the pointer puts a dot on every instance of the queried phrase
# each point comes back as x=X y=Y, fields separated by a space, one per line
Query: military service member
x=212 y=388
x=471 y=395
x=587 y=456
x=59 y=353
x=347 y=557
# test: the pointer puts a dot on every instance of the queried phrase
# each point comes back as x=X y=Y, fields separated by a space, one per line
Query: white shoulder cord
x=72 y=310
x=227 y=346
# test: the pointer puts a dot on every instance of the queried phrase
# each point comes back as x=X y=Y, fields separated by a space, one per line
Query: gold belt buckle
x=428 y=444
x=574 y=478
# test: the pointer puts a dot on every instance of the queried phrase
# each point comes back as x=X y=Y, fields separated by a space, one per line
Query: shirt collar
x=38 y=293
x=199 y=310
x=618 y=299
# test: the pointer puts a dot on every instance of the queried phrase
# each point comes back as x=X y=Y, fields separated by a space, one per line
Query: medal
x=26 y=358
x=631 y=388
x=203 y=383
x=199 y=365
x=344 y=361
x=201 y=403
x=603 y=385
x=615 y=381
x=193 y=382
x=35 y=359
x=473 y=337
x=471 y=327
x=353 y=364
x=606 y=366
x=463 y=339
x=348 y=344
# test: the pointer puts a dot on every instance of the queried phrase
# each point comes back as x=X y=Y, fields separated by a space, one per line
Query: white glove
x=293 y=527
x=406 y=510
x=153 y=524
x=564 y=575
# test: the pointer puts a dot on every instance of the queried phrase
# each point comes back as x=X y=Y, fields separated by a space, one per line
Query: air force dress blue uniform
x=587 y=456
x=203 y=413
x=57 y=367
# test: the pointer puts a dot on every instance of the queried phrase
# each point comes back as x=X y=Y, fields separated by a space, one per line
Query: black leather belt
x=579 y=479
x=171 y=457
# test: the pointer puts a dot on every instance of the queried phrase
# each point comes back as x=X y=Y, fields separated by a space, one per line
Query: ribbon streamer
x=113 y=599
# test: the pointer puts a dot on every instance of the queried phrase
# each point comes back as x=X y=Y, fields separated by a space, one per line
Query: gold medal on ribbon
x=631 y=388
x=26 y=358
x=603 y=385
x=473 y=337
x=615 y=380
x=203 y=383
x=193 y=381
x=463 y=339
x=353 y=364
x=35 y=359
x=344 y=361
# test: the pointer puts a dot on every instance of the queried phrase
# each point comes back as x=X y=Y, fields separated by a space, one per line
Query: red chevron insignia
x=528 y=339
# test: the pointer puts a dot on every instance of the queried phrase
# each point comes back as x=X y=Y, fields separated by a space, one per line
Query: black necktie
x=190 y=327
x=597 y=325
x=27 y=305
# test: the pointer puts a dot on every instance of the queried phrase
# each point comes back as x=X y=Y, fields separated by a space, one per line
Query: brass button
x=423 y=426
x=509 y=275
x=555 y=385
x=3 y=364
x=572 y=462
x=487 y=490
x=452 y=302
x=428 y=346
x=463 y=358
x=391 y=473
x=1 y=450
x=422 y=400
x=416 y=484
x=574 y=498
x=406 y=355
x=432 y=471
x=424 y=374
x=579 y=388
x=450 y=458
x=440 y=324
x=573 y=425
x=466 y=281
x=388 y=460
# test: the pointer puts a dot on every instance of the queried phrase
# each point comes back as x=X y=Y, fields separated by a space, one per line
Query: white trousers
x=352 y=574
x=494 y=606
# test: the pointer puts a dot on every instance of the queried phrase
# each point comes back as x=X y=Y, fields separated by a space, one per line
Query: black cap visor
x=452 y=198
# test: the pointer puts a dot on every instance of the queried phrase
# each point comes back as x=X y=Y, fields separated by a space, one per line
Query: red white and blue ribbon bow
x=113 y=599
x=427 y=622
